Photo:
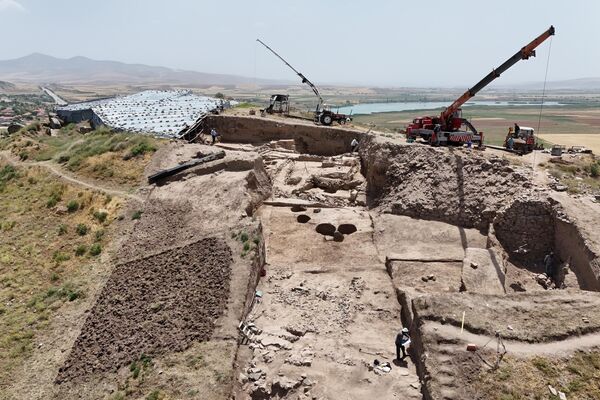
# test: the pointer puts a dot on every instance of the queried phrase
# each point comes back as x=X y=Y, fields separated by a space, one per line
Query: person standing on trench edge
x=402 y=342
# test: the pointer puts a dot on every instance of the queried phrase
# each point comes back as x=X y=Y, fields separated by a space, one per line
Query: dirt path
x=516 y=347
x=68 y=177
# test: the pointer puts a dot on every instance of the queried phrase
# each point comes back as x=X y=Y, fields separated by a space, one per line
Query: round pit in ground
x=347 y=229
x=303 y=218
x=326 y=229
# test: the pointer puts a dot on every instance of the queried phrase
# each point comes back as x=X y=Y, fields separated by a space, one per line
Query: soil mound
x=457 y=186
x=162 y=303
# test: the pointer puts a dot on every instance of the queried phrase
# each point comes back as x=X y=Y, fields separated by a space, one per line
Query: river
x=372 y=108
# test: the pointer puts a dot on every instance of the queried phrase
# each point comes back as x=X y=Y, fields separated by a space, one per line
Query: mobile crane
x=323 y=113
x=446 y=129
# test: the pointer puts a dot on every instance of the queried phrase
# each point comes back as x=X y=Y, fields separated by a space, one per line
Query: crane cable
x=542 y=106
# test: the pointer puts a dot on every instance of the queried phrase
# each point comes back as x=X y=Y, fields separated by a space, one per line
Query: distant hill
x=6 y=85
x=40 y=68
x=570 y=84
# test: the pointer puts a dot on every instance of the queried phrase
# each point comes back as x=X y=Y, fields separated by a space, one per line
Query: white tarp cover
x=158 y=112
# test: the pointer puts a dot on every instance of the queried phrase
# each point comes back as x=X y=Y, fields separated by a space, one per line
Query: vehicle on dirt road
x=521 y=140
x=323 y=114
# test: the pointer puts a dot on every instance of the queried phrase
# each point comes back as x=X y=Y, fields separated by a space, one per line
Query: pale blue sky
x=414 y=43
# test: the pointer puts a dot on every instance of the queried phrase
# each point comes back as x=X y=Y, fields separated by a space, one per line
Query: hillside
x=6 y=85
x=40 y=68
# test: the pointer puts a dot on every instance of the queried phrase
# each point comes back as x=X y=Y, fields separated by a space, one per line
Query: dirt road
x=5 y=155
x=515 y=347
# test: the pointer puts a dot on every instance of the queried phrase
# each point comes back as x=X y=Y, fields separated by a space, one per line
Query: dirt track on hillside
x=151 y=306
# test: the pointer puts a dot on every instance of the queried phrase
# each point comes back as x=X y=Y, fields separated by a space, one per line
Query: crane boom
x=522 y=54
x=304 y=78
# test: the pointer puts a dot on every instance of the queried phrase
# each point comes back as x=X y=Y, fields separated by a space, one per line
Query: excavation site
x=279 y=263
x=299 y=201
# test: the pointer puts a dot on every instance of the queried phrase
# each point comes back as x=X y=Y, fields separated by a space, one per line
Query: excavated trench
x=466 y=189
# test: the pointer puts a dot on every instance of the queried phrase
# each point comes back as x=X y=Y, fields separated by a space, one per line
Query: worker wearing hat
x=402 y=342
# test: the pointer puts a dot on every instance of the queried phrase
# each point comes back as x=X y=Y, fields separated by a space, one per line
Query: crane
x=323 y=114
x=446 y=128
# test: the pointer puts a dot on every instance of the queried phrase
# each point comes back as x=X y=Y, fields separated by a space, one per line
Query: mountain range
x=44 y=69
x=41 y=68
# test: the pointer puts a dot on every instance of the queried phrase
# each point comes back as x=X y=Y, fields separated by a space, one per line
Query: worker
x=510 y=143
x=549 y=264
x=402 y=342
x=214 y=134
x=517 y=130
x=354 y=145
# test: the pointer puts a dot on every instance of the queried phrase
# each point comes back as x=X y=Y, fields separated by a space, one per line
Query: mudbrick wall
x=312 y=139
x=526 y=229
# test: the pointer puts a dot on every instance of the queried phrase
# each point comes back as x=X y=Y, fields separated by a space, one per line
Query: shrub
x=95 y=249
x=53 y=200
x=137 y=215
x=80 y=250
x=100 y=215
x=62 y=229
x=99 y=235
x=595 y=170
x=72 y=206
x=244 y=237
x=23 y=155
x=155 y=395
x=246 y=246
x=7 y=173
x=60 y=256
x=141 y=149
x=82 y=229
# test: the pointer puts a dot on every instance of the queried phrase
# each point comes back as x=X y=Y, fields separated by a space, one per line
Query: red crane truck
x=447 y=129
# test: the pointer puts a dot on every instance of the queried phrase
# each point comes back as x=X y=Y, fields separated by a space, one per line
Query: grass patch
x=80 y=250
x=38 y=259
x=72 y=206
x=100 y=216
x=82 y=229
x=100 y=154
x=96 y=249
x=137 y=215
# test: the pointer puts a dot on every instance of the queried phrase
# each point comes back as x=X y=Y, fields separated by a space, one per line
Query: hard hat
x=404 y=330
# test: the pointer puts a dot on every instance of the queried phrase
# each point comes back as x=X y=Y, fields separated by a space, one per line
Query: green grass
x=82 y=229
x=72 y=206
x=96 y=249
x=247 y=105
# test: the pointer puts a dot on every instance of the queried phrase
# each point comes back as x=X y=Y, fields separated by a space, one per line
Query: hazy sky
x=396 y=43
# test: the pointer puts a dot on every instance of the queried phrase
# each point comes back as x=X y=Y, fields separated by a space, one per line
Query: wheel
x=326 y=119
x=343 y=121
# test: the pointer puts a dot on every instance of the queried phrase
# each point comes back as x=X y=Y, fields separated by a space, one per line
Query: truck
x=521 y=140
x=450 y=128
x=323 y=113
